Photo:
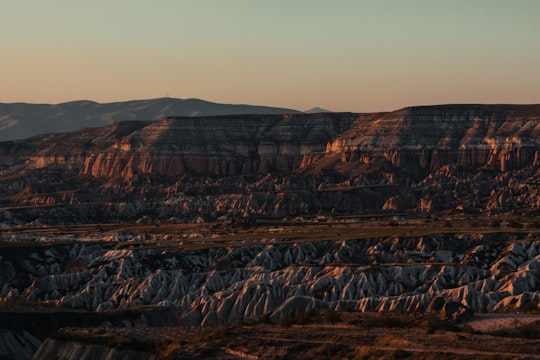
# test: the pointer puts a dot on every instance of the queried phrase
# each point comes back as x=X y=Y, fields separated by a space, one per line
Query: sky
x=343 y=55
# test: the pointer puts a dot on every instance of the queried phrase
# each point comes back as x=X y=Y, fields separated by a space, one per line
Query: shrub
x=438 y=324
x=120 y=342
x=400 y=354
x=125 y=342
x=301 y=318
x=530 y=308
x=515 y=224
x=385 y=320
x=529 y=331
x=170 y=351
x=331 y=316
x=265 y=319
x=496 y=223
x=286 y=321
x=216 y=333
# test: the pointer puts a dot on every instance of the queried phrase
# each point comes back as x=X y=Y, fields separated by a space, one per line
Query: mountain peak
x=317 y=109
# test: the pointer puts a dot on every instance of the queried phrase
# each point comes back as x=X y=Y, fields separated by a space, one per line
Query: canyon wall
x=422 y=138
x=473 y=136
x=472 y=158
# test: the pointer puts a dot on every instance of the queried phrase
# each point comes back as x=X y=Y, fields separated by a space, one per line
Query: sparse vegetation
x=111 y=340
x=169 y=351
x=21 y=303
x=353 y=336
x=383 y=320
x=515 y=224
x=121 y=342
x=529 y=331
x=331 y=316
x=435 y=324
x=216 y=333
x=496 y=223
x=328 y=324
x=530 y=308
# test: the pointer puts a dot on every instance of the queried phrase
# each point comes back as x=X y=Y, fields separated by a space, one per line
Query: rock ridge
x=491 y=272
x=464 y=158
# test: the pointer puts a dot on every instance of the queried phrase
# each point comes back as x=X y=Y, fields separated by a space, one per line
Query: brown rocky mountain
x=462 y=158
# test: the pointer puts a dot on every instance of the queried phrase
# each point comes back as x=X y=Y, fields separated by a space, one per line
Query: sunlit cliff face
x=469 y=158
x=497 y=137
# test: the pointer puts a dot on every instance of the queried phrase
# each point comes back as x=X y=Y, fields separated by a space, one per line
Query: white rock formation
x=482 y=272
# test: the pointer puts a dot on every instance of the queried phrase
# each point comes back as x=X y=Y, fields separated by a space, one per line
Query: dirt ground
x=353 y=336
x=501 y=322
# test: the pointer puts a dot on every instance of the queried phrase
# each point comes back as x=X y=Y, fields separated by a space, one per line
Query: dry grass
x=351 y=335
x=214 y=235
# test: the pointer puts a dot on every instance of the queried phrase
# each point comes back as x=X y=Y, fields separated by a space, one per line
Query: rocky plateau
x=453 y=158
x=217 y=219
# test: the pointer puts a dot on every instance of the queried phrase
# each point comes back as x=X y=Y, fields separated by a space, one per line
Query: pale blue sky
x=343 y=55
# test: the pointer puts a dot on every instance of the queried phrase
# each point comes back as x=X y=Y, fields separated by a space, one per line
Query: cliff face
x=473 y=136
x=223 y=146
x=495 y=137
x=468 y=157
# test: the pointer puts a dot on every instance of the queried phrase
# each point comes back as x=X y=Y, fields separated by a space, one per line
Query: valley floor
x=314 y=288
x=351 y=336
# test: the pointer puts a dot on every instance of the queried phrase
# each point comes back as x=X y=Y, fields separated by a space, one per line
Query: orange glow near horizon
x=347 y=56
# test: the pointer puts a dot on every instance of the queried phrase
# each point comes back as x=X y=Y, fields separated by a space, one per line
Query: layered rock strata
x=498 y=137
x=464 y=158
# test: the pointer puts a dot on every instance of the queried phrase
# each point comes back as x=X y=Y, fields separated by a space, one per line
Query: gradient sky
x=344 y=55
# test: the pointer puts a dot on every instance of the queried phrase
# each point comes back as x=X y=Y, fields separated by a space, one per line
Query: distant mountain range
x=23 y=120
x=317 y=110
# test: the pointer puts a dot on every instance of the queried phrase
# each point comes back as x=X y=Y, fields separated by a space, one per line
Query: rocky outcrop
x=242 y=170
x=480 y=272
x=17 y=345
x=459 y=158
x=222 y=146
x=500 y=137
x=421 y=138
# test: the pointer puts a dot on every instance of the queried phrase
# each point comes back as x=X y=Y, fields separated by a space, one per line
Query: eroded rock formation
x=494 y=272
x=465 y=158
x=54 y=349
